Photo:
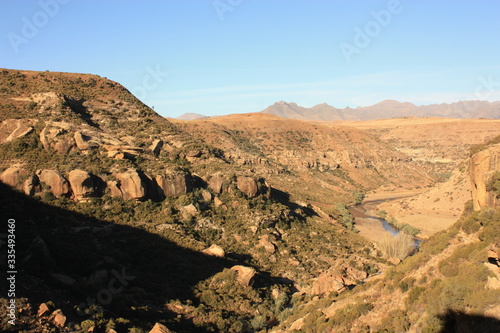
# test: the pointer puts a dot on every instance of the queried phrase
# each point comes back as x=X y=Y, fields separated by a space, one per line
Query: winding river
x=369 y=224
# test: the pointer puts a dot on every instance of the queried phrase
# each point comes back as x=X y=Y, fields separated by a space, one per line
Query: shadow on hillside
x=284 y=199
x=460 y=322
x=73 y=259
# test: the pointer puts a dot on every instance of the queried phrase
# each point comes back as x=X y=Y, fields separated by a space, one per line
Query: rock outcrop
x=245 y=275
x=82 y=184
x=12 y=176
x=247 y=185
x=215 y=250
x=328 y=282
x=12 y=129
x=59 y=186
x=131 y=185
x=483 y=167
x=173 y=183
x=215 y=183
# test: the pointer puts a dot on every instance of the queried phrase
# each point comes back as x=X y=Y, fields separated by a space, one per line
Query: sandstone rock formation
x=215 y=250
x=12 y=129
x=56 y=137
x=58 y=318
x=247 y=185
x=328 y=282
x=131 y=185
x=245 y=275
x=159 y=328
x=58 y=184
x=173 y=183
x=13 y=175
x=155 y=147
x=82 y=184
x=266 y=244
x=215 y=183
x=43 y=310
x=483 y=166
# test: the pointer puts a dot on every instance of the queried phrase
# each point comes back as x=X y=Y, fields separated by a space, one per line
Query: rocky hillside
x=126 y=220
x=451 y=285
x=385 y=110
x=334 y=161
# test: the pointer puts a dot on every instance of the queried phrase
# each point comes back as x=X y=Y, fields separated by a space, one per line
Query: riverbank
x=365 y=218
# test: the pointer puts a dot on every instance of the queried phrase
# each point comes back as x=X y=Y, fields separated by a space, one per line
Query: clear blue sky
x=235 y=56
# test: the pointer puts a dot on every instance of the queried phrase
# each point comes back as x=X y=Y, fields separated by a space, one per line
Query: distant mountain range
x=387 y=109
x=191 y=116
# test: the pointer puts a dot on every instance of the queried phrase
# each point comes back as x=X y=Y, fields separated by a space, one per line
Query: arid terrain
x=127 y=221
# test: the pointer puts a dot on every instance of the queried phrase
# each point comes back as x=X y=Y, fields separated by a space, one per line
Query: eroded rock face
x=247 y=185
x=483 y=166
x=82 y=184
x=57 y=138
x=59 y=186
x=131 y=185
x=245 y=275
x=173 y=183
x=12 y=129
x=13 y=175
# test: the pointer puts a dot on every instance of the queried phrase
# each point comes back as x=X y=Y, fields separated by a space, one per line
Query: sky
x=216 y=57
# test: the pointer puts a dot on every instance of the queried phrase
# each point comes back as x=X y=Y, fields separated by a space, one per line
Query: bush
x=400 y=246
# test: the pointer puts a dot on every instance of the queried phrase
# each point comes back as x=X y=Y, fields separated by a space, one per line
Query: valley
x=245 y=222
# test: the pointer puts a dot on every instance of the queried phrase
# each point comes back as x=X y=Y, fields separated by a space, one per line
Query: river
x=369 y=224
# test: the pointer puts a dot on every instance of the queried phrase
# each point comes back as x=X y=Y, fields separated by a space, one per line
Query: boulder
x=43 y=310
x=266 y=244
x=131 y=185
x=58 y=318
x=173 y=183
x=328 y=282
x=12 y=129
x=12 y=176
x=115 y=189
x=245 y=275
x=190 y=209
x=247 y=185
x=483 y=166
x=155 y=147
x=218 y=202
x=59 y=186
x=215 y=183
x=215 y=250
x=206 y=195
x=82 y=184
x=81 y=141
x=159 y=328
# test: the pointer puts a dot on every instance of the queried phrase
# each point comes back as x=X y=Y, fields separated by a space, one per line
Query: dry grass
x=400 y=246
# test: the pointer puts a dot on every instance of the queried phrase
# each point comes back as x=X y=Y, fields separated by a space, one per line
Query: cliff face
x=483 y=166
